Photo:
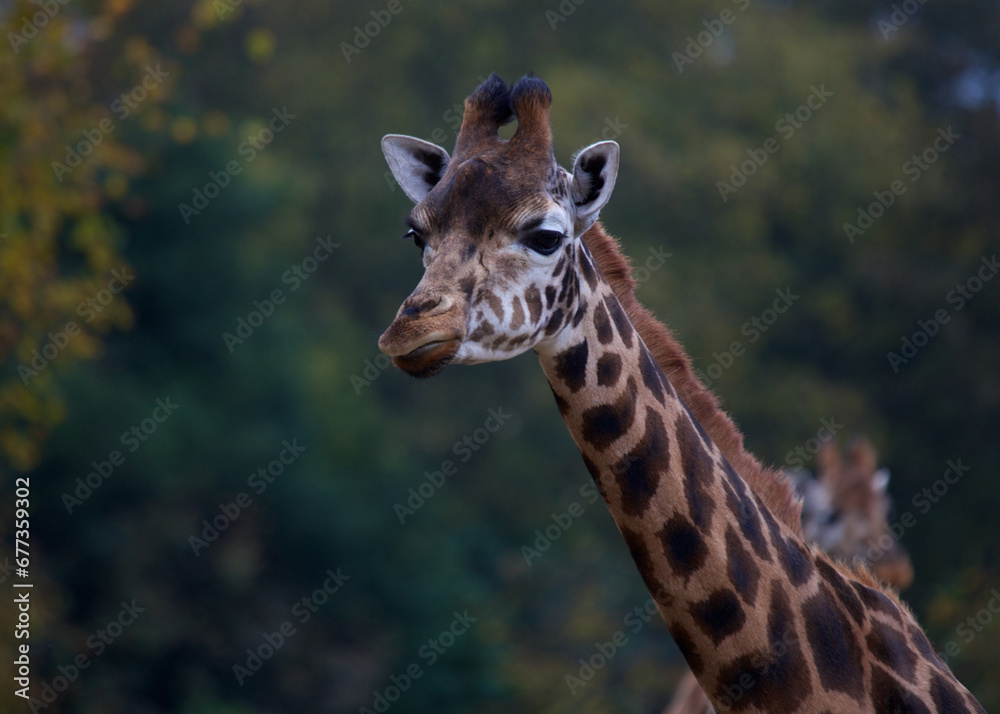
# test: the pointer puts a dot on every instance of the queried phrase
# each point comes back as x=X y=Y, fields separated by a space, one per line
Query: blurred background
x=233 y=501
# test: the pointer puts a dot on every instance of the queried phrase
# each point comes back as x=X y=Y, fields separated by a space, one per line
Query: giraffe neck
x=764 y=622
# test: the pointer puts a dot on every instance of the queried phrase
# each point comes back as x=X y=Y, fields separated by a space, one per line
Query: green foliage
x=310 y=370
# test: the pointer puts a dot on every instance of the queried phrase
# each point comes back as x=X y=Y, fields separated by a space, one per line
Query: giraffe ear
x=417 y=164
x=594 y=173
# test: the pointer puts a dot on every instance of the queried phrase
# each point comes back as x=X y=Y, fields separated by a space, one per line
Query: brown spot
x=568 y=285
x=923 y=646
x=643 y=562
x=496 y=305
x=467 y=285
x=844 y=592
x=640 y=470
x=875 y=600
x=945 y=696
x=890 y=647
x=534 y=300
x=561 y=404
x=835 y=648
x=745 y=513
x=620 y=319
x=587 y=268
x=609 y=366
x=485 y=329
x=555 y=322
x=652 y=376
x=791 y=554
x=518 y=313
x=889 y=695
x=719 y=615
x=604 y=424
x=595 y=473
x=580 y=312
x=550 y=295
x=571 y=366
x=699 y=472
x=743 y=571
x=559 y=266
x=683 y=546
x=687 y=647
x=603 y=324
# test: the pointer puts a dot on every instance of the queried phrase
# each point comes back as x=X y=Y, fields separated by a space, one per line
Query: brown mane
x=768 y=484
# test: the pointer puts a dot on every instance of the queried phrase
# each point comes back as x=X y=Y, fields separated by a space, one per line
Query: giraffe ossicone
x=514 y=260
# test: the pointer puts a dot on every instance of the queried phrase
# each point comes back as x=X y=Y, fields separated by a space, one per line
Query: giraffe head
x=498 y=226
x=845 y=511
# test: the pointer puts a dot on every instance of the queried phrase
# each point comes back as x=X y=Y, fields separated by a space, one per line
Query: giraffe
x=515 y=260
x=844 y=510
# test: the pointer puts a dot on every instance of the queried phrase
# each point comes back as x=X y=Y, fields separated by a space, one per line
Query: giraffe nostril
x=419 y=305
x=426 y=306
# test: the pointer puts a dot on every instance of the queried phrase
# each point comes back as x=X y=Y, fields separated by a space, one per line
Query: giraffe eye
x=543 y=242
x=416 y=238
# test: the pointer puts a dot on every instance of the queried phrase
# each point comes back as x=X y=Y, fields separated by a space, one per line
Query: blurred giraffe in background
x=845 y=509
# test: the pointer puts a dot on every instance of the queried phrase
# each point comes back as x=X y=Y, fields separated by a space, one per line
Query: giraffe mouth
x=428 y=359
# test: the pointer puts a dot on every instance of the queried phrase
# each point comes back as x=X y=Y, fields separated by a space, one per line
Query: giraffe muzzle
x=424 y=337
x=428 y=359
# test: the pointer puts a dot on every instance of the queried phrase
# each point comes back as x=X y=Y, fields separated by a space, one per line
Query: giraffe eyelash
x=417 y=239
